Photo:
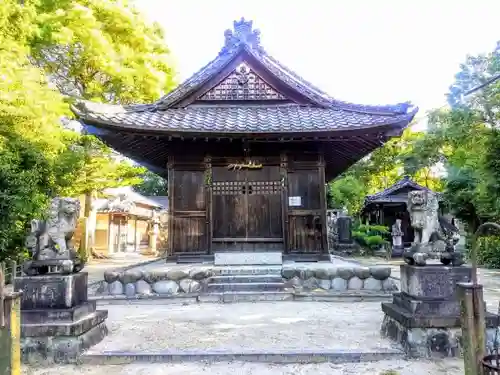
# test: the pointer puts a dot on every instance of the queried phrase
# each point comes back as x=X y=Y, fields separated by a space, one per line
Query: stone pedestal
x=57 y=321
x=424 y=317
x=344 y=225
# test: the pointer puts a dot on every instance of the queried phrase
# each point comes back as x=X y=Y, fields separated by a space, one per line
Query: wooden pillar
x=171 y=196
x=208 y=203
x=111 y=233
x=136 y=244
x=284 y=200
x=322 y=192
x=10 y=330
x=472 y=316
x=153 y=233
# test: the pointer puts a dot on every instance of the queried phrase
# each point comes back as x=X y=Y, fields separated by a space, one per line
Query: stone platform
x=424 y=317
x=58 y=322
x=208 y=280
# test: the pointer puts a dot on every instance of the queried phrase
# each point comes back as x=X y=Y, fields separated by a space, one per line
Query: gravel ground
x=245 y=326
x=435 y=367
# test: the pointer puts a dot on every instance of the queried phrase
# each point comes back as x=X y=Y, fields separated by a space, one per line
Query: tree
x=464 y=139
x=347 y=191
x=152 y=185
x=101 y=51
x=89 y=49
x=32 y=141
x=381 y=169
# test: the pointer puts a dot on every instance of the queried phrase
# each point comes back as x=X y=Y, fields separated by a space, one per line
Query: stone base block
x=431 y=307
x=60 y=349
x=428 y=336
x=52 y=291
x=433 y=281
x=397 y=251
x=57 y=321
x=43 y=316
x=64 y=328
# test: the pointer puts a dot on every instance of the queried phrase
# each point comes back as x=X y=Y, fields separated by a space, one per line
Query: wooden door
x=229 y=207
x=246 y=205
x=264 y=203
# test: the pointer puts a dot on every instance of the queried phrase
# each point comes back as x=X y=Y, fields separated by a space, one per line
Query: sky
x=361 y=51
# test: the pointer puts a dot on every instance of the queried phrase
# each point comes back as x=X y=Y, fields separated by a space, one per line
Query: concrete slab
x=254 y=258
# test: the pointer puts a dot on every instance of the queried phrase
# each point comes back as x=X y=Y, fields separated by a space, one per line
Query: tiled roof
x=240 y=119
x=405 y=182
x=160 y=199
x=245 y=38
x=131 y=195
x=324 y=113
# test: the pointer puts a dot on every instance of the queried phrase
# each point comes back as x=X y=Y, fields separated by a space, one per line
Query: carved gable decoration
x=242 y=84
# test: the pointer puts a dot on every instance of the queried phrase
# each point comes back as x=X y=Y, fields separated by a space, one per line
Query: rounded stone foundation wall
x=296 y=278
x=138 y=282
x=340 y=279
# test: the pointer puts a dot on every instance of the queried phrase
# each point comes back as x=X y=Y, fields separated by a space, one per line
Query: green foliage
x=96 y=168
x=101 y=50
x=464 y=139
x=370 y=237
x=384 y=167
x=152 y=185
x=32 y=140
x=90 y=49
x=488 y=251
x=347 y=191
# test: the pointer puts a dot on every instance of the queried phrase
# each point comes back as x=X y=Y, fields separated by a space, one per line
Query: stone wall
x=296 y=278
x=169 y=282
x=340 y=279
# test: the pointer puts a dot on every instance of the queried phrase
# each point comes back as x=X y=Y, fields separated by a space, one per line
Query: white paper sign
x=294 y=201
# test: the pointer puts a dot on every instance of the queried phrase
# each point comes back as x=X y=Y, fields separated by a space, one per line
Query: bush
x=488 y=251
x=370 y=237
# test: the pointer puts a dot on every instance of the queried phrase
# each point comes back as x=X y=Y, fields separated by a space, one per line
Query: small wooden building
x=247 y=146
x=384 y=207
x=124 y=221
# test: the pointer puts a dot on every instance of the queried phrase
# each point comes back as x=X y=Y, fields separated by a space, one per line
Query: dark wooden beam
x=323 y=203
x=284 y=199
x=208 y=202
x=171 y=207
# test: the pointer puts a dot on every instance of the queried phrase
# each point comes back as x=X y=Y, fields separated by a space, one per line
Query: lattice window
x=242 y=84
x=228 y=188
x=250 y=188
x=264 y=187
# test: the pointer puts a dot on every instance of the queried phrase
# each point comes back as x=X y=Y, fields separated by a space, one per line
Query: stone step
x=248 y=258
x=97 y=358
x=227 y=279
x=244 y=287
x=247 y=270
x=246 y=296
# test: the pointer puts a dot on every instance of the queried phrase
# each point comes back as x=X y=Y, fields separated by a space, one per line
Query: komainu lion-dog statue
x=435 y=237
x=49 y=241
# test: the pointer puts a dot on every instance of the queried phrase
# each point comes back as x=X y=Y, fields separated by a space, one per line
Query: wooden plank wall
x=307 y=222
x=191 y=220
x=189 y=211
x=188 y=207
